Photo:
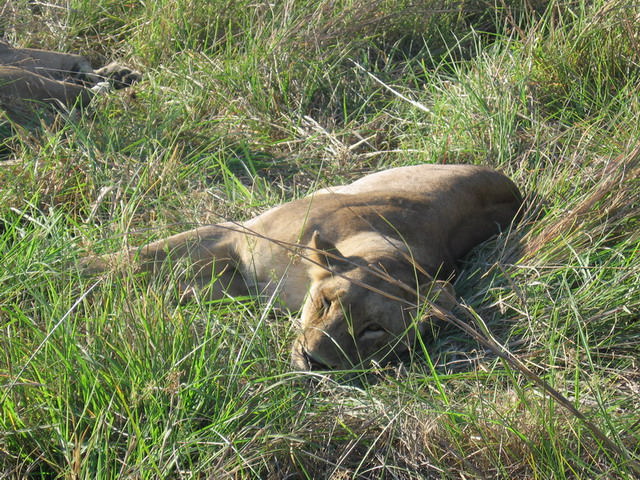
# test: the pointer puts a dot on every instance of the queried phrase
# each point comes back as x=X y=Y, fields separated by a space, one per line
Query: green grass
x=245 y=105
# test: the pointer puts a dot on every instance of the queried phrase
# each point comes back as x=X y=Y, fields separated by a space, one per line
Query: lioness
x=354 y=257
x=28 y=74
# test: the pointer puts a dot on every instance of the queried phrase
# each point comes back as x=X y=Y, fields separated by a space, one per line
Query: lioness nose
x=303 y=360
x=315 y=364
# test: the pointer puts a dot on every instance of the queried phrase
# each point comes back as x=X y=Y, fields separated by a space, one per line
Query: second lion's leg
x=17 y=83
x=117 y=75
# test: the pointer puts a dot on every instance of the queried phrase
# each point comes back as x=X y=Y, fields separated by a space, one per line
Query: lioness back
x=429 y=178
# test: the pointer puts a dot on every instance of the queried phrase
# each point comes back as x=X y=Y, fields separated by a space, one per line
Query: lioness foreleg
x=202 y=259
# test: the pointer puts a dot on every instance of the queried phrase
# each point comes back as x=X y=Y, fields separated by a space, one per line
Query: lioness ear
x=441 y=293
x=318 y=247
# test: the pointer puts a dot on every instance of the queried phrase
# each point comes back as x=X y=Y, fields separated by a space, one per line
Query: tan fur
x=32 y=75
x=361 y=241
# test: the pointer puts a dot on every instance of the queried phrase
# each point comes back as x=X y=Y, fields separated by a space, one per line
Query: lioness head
x=354 y=315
